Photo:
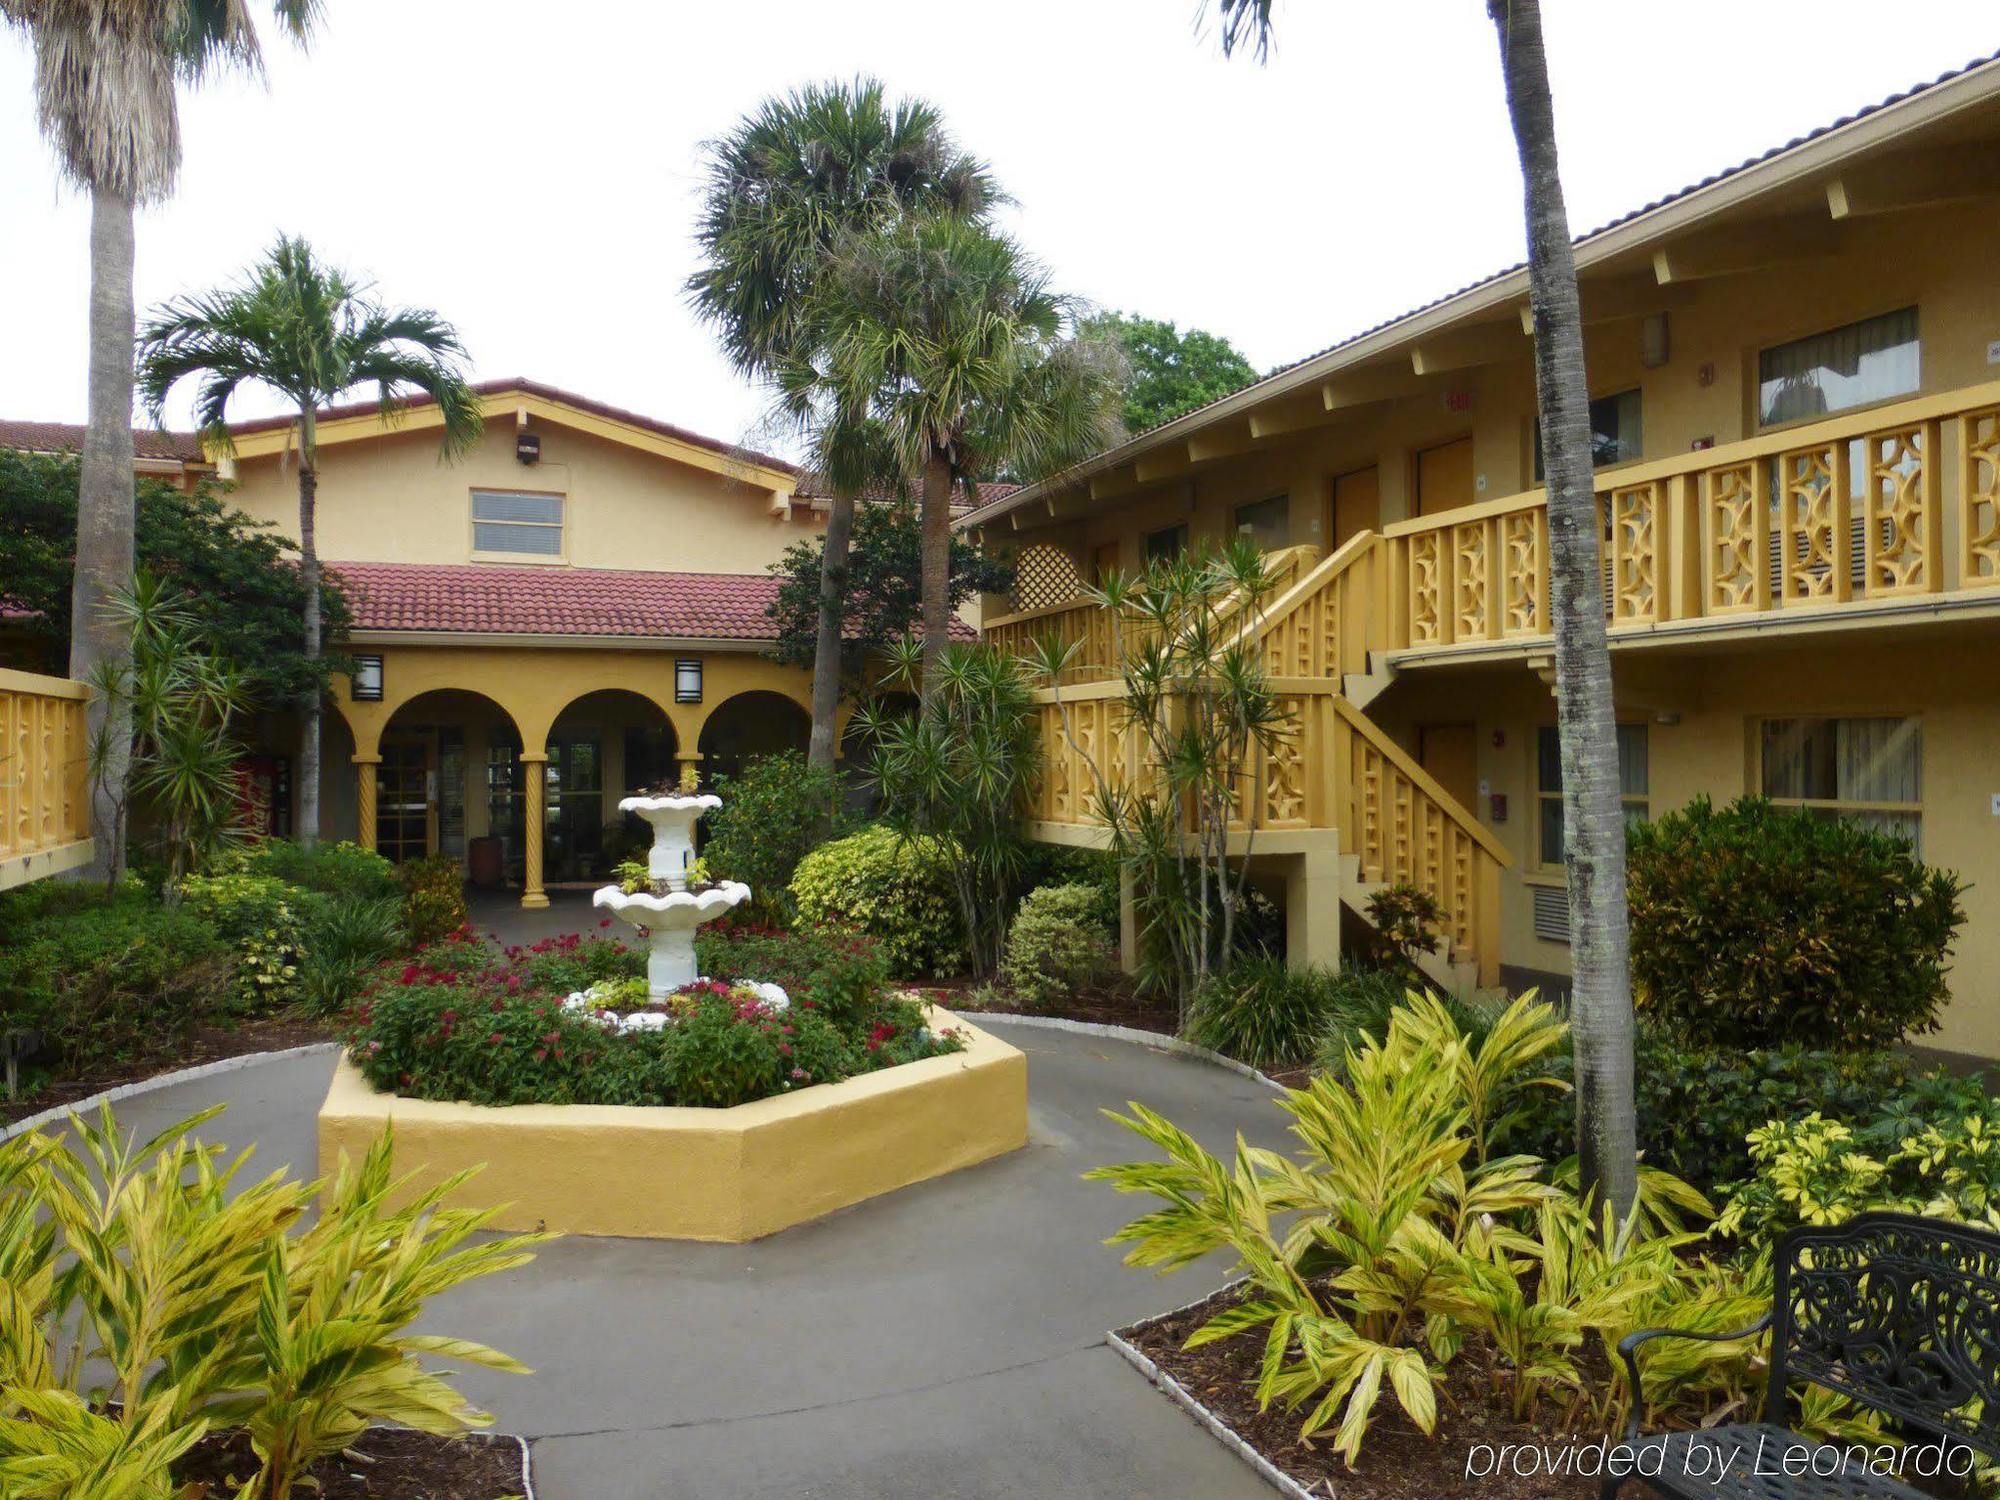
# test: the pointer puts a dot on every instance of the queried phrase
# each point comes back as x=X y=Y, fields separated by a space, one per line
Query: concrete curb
x=160 y=1081
x=527 y=1461
x=1159 y=1041
x=1179 y=1394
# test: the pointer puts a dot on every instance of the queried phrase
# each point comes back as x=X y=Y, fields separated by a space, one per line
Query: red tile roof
x=558 y=601
x=67 y=437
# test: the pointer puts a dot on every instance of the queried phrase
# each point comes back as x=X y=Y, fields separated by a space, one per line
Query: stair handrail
x=1403 y=761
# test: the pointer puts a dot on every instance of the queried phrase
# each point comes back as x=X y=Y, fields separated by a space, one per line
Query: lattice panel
x=1979 y=479
x=1734 y=519
x=1426 y=588
x=1635 y=551
x=1523 y=572
x=1897 y=542
x=1471 y=572
x=1810 y=528
x=1045 y=575
x=43 y=793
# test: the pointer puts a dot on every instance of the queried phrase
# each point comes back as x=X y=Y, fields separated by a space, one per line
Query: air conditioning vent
x=1552 y=913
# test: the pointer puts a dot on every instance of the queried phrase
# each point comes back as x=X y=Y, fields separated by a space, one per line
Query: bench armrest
x=1628 y=1350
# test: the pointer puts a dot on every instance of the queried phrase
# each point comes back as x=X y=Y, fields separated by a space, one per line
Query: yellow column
x=535 y=779
x=364 y=798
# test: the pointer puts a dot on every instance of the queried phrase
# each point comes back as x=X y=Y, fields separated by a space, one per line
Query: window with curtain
x=1867 y=770
x=1634 y=776
x=1872 y=360
x=1268 y=523
x=521 y=525
x=1615 y=436
x=1170 y=541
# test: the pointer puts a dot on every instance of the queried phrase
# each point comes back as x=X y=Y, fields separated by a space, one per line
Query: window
x=1873 y=360
x=1633 y=775
x=1268 y=523
x=1167 y=543
x=1614 y=431
x=1866 y=770
x=519 y=525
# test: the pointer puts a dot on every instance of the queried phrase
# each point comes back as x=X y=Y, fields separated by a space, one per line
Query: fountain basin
x=668 y=923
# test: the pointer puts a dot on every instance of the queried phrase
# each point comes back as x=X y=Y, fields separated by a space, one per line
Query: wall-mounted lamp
x=528 y=447
x=365 y=686
x=687 y=680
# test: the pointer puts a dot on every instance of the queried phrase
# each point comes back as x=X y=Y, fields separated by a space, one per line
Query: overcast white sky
x=529 y=170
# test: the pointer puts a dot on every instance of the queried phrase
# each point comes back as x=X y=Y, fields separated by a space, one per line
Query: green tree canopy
x=884 y=587
x=1172 y=371
x=250 y=594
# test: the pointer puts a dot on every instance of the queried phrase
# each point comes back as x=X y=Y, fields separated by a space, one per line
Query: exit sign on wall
x=1458 y=401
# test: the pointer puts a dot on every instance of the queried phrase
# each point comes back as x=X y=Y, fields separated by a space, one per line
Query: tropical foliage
x=154 y=1293
x=897 y=891
x=1200 y=704
x=1058 y=943
x=955 y=775
x=774 y=812
x=1397 y=1235
x=1753 y=926
x=310 y=333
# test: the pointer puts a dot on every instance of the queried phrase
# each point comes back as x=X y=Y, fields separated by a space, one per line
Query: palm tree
x=105 y=78
x=1593 y=815
x=781 y=191
x=951 y=340
x=311 y=333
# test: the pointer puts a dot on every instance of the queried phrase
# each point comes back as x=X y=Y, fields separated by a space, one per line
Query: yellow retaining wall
x=701 y=1174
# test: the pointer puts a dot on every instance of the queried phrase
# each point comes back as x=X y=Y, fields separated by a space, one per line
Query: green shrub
x=1696 y=1106
x=1406 y=921
x=433 y=897
x=105 y=981
x=898 y=891
x=773 y=813
x=1755 y=927
x=561 y=965
x=843 y=974
x=1059 y=943
x=1364 y=1001
x=1061 y=864
x=1262 y=1012
x=339 y=869
x=264 y=919
x=345 y=937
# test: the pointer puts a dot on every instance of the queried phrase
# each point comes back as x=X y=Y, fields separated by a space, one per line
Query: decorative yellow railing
x=44 y=777
x=1322 y=624
x=1897 y=503
x=1085 y=622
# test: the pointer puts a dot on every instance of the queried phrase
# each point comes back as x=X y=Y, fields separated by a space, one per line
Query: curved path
x=944 y=1341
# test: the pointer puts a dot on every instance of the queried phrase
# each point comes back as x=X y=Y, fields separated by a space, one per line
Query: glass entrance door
x=575 y=808
x=403 y=799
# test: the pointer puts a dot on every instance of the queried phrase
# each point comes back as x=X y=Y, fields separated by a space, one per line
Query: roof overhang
x=546 y=641
x=524 y=405
x=1631 y=257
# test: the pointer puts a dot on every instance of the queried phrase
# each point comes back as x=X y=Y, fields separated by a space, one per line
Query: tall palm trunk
x=106 y=520
x=832 y=617
x=936 y=563
x=309 y=707
x=1593 y=816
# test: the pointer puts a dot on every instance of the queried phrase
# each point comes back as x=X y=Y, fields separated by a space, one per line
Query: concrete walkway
x=944 y=1341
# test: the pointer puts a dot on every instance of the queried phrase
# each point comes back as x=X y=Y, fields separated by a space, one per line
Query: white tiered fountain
x=668 y=921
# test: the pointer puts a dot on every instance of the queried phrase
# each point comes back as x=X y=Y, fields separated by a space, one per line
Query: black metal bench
x=1899 y=1313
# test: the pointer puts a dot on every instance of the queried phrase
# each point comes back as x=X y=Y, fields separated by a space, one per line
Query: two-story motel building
x=1795 y=372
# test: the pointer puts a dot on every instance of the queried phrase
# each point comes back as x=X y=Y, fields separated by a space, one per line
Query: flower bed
x=569 y=1022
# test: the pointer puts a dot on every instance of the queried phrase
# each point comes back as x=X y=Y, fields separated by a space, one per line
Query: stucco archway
x=750 y=725
x=602 y=746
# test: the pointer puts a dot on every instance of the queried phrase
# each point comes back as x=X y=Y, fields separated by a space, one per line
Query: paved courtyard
x=944 y=1341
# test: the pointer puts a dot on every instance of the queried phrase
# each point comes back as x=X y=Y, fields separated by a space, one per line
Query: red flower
x=604 y=922
x=494 y=1039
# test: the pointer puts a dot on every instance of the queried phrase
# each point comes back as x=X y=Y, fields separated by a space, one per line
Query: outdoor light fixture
x=365 y=686
x=687 y=680
x=528 y=447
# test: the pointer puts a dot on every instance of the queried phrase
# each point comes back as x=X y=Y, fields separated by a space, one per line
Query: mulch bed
x=1104 y=1005
x=382 y=1465
x=1397 y=1461
x=209 y=1044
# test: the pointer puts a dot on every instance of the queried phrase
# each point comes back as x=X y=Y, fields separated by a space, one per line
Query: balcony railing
x=44 y=777
x=1894 y=505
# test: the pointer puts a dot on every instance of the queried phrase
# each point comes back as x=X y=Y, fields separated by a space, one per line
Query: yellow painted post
x=1312 y=910
x=1486 y=920
x=1840 y=550
x=1933 y=503
x=364 y=798
x=534 y=776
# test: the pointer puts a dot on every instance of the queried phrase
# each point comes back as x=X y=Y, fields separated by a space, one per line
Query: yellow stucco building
x=1795 y=372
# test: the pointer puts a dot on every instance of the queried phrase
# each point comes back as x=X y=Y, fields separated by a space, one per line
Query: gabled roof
x=67 y=437
x=476 y=599
x=1827 y=146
